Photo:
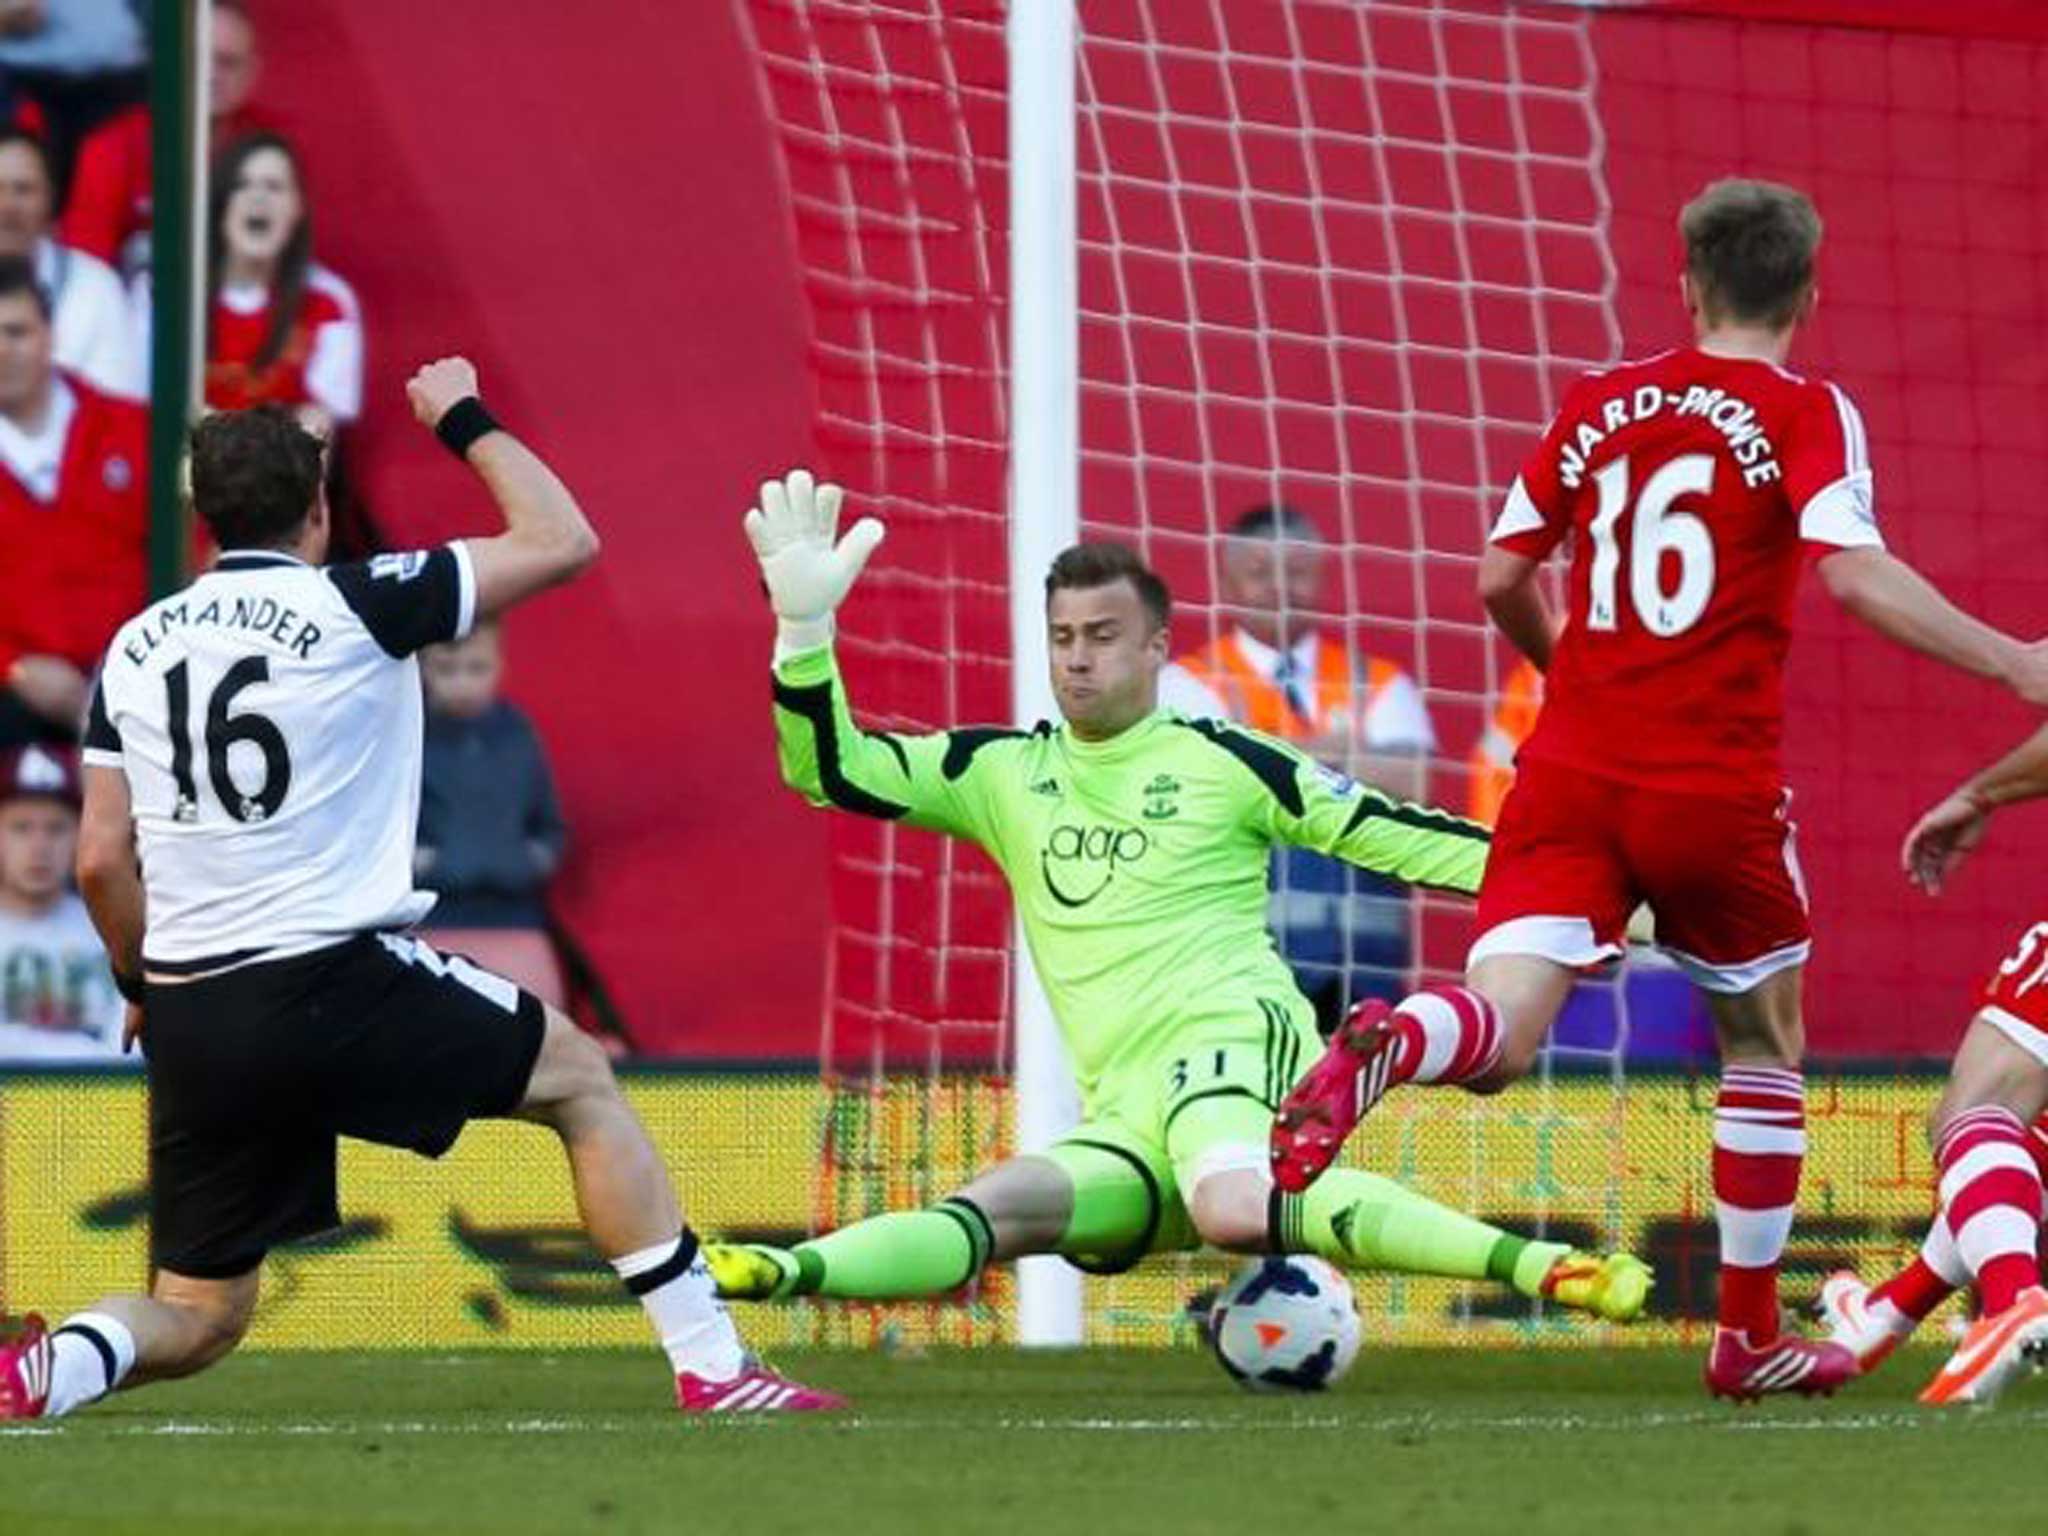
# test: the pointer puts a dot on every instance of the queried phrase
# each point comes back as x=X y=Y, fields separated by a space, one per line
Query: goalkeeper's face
x=1106 y=654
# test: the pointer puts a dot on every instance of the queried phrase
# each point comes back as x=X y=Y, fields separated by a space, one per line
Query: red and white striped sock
x=1991 y=1195
x=1759 y=1146
x=1447 y=1035
x=1935 y=1274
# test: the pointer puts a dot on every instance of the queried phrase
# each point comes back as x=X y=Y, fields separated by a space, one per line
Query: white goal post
x=1045 y=517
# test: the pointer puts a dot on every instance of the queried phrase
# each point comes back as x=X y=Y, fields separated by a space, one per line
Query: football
x=1285 y=1325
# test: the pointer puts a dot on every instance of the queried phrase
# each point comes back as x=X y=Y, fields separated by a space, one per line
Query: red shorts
x=2015 y=996
x=1575 y=854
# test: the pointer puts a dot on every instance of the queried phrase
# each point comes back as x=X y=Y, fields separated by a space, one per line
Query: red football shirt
x=322 y=359
x=110 y=187
x=109 y=201
x=75 y=563
x=1694 y=483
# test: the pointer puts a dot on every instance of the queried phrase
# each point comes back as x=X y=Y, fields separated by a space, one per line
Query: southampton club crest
x=1161 y=798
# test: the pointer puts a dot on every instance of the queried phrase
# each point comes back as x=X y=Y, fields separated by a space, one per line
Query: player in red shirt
x=1696 y=482
x=1988 y=1135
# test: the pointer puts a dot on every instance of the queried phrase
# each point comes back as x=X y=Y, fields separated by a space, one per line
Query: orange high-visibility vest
x=1493 y=758
x=1255 y=700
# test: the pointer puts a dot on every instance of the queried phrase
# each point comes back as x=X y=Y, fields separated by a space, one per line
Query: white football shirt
x=268 y=719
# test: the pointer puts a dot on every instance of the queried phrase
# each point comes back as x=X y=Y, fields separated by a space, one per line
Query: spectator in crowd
x=95 y=331
x=57 y=995
x=235 y=69
x=108 y=211
x=73 y=520
x=72 y=41
x=1493 y=755
x=78 y=61
x=1281 y=669
x=491 y=833
x=281 y=328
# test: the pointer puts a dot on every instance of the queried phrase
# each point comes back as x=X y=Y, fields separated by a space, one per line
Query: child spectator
x=281 y=328
x=491 y=832
x=57 y=996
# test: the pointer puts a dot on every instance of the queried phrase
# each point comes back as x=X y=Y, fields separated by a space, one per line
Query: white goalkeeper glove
x=806 y=573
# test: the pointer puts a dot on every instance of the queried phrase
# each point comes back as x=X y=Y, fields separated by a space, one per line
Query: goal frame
x=1040 y=39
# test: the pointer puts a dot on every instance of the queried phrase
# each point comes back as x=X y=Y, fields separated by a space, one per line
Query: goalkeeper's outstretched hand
x=807 y=574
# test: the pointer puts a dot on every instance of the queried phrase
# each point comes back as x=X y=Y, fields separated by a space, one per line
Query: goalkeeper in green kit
x=1136 y=844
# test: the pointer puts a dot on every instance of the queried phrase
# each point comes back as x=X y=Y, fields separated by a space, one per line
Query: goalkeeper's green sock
x=1359 y=1220
x=898 y=1255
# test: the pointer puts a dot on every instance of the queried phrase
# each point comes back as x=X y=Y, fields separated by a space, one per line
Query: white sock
x=676 y=1289
x=89 y=1355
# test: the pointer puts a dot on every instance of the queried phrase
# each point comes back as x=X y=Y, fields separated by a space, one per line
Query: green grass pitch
x=998 y=1441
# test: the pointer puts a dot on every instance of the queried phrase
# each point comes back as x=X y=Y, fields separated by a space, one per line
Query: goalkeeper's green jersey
x=1139 y=864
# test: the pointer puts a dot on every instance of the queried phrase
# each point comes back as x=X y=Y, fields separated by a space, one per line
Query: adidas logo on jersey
x=1046 y=787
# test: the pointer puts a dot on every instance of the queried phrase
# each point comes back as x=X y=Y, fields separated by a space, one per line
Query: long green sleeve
x=831 y=761
x=1311 y=806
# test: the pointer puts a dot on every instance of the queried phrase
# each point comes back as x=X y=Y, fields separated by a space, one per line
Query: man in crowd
x=96 y=336
x=108 y=211
x=1281 y=667
x=73 y=520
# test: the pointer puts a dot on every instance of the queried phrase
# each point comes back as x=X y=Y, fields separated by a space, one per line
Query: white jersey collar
x=36 y=458
x=1265 y=660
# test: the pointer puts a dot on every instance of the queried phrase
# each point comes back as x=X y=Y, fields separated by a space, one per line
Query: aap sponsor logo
x=1079 y=863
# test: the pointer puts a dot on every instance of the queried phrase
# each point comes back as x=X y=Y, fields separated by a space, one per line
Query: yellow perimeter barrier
x=481 y=1248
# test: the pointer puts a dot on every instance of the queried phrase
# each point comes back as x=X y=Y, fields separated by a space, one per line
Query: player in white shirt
x=57 y=998
x=255 y=740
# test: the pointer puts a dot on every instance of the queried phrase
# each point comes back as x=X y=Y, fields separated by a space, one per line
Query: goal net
x=1337 y=256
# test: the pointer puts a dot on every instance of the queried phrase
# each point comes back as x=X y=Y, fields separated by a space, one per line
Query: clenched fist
x=439 y=385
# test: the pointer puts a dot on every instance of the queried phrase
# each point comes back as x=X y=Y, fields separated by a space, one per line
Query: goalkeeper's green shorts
x=1156 y=1129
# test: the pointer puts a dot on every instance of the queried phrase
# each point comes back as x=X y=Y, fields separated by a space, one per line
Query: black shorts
x=254 y=1073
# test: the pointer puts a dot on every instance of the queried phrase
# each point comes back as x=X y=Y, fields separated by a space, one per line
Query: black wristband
x=129 y=987
x=463 y=423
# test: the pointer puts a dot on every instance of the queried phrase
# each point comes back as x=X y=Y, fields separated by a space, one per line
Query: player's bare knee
x=1763 y=1026
x=1945 y=1109
x=572 y=1072
x=1027 y=1202
x=1518 y=1052
x=1228 y=1211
